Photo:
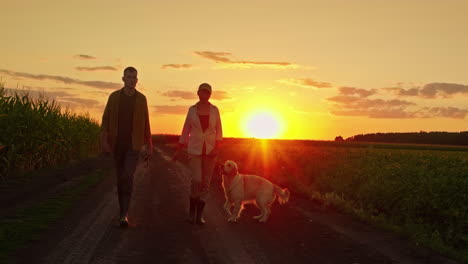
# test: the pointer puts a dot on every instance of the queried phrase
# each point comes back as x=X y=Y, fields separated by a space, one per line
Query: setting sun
x=262 y=125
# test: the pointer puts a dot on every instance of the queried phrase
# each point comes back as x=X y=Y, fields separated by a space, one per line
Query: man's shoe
x=192 y=210
x=200 y=207
x=124 y=222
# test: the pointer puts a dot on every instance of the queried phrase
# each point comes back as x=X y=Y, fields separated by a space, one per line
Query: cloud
x=63 y=98
x=39 y=88
x=216 y=56
x=307 y=83
x=220 y=95
x=177 y=66
x=222 y=57
x=343 y=99
x=80 y=101
x=378 y=108
x=354 y=102
x=84 y=57
x=443 y=89
x=217 y=95
x=375 y=113
x=402 y=92
x=363 y=103
x=171 y=109
x=180 y=94
x=450 y=112
x=38 y=93
x=358 y=105
x=431 y=90
x=356 y=91
x=100 y=68
x=66 y=80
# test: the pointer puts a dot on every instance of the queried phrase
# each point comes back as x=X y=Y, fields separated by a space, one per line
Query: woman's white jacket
x=193 y=135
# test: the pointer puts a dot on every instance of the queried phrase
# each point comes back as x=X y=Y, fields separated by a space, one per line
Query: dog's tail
x=283 y=194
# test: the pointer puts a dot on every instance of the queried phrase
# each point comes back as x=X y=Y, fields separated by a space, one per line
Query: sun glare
x=262 y=125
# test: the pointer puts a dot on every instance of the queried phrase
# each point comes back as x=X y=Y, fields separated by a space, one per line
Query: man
x=125 y=130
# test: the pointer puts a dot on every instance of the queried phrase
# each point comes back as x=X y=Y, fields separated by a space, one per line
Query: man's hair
x=205 y=86
x=130 y=69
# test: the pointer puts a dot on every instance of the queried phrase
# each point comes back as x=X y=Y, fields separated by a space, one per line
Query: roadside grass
x=418 y=194
x=27 y=223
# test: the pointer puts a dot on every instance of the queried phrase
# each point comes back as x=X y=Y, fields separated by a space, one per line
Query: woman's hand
x=216 y=149
x=180 y=146
x=149 y=151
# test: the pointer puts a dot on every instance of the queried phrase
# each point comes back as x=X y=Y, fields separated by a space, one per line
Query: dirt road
x=158 y=232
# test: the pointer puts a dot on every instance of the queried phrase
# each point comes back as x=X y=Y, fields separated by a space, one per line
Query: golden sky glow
x=319 y=69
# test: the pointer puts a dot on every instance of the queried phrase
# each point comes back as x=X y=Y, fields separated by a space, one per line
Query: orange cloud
x=362 y=103
x=176 y=66
x=431 y=90
x=307 y=83
x=37 y=93
x=63 y=98
x=220 y=95
x=346 y=105
x=357 y=91
x=451 y=112
x=84 y=57
x=171 y=109
x=80 y=101
x=376 y=113
x=222 y=57
x=344 y=99
x=63 y=79
x=357 y=105
x=100 y=68
x=217 y=95
x=180 y=94
x=216 y=56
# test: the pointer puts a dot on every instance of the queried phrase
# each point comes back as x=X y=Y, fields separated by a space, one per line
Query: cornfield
x=36 y=133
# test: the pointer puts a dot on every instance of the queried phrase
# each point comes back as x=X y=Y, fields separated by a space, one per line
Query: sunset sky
x=315 y=69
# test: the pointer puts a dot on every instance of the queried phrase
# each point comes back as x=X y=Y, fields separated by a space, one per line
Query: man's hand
x=105 y=147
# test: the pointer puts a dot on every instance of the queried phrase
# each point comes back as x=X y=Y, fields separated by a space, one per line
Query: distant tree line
x=439 y=138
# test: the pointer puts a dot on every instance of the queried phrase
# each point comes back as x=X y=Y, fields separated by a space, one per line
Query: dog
x=241 y=189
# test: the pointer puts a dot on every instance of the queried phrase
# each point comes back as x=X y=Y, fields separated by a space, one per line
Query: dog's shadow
x=280 y=216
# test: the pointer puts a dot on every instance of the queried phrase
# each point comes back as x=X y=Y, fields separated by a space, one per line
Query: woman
x=202 y=135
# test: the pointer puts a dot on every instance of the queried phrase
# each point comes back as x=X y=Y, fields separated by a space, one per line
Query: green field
x=418 y=191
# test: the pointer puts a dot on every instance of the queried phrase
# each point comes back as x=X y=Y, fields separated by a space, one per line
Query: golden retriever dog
x=241 y=189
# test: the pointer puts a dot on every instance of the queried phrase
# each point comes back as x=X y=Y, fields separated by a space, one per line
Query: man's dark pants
x=125 y=165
